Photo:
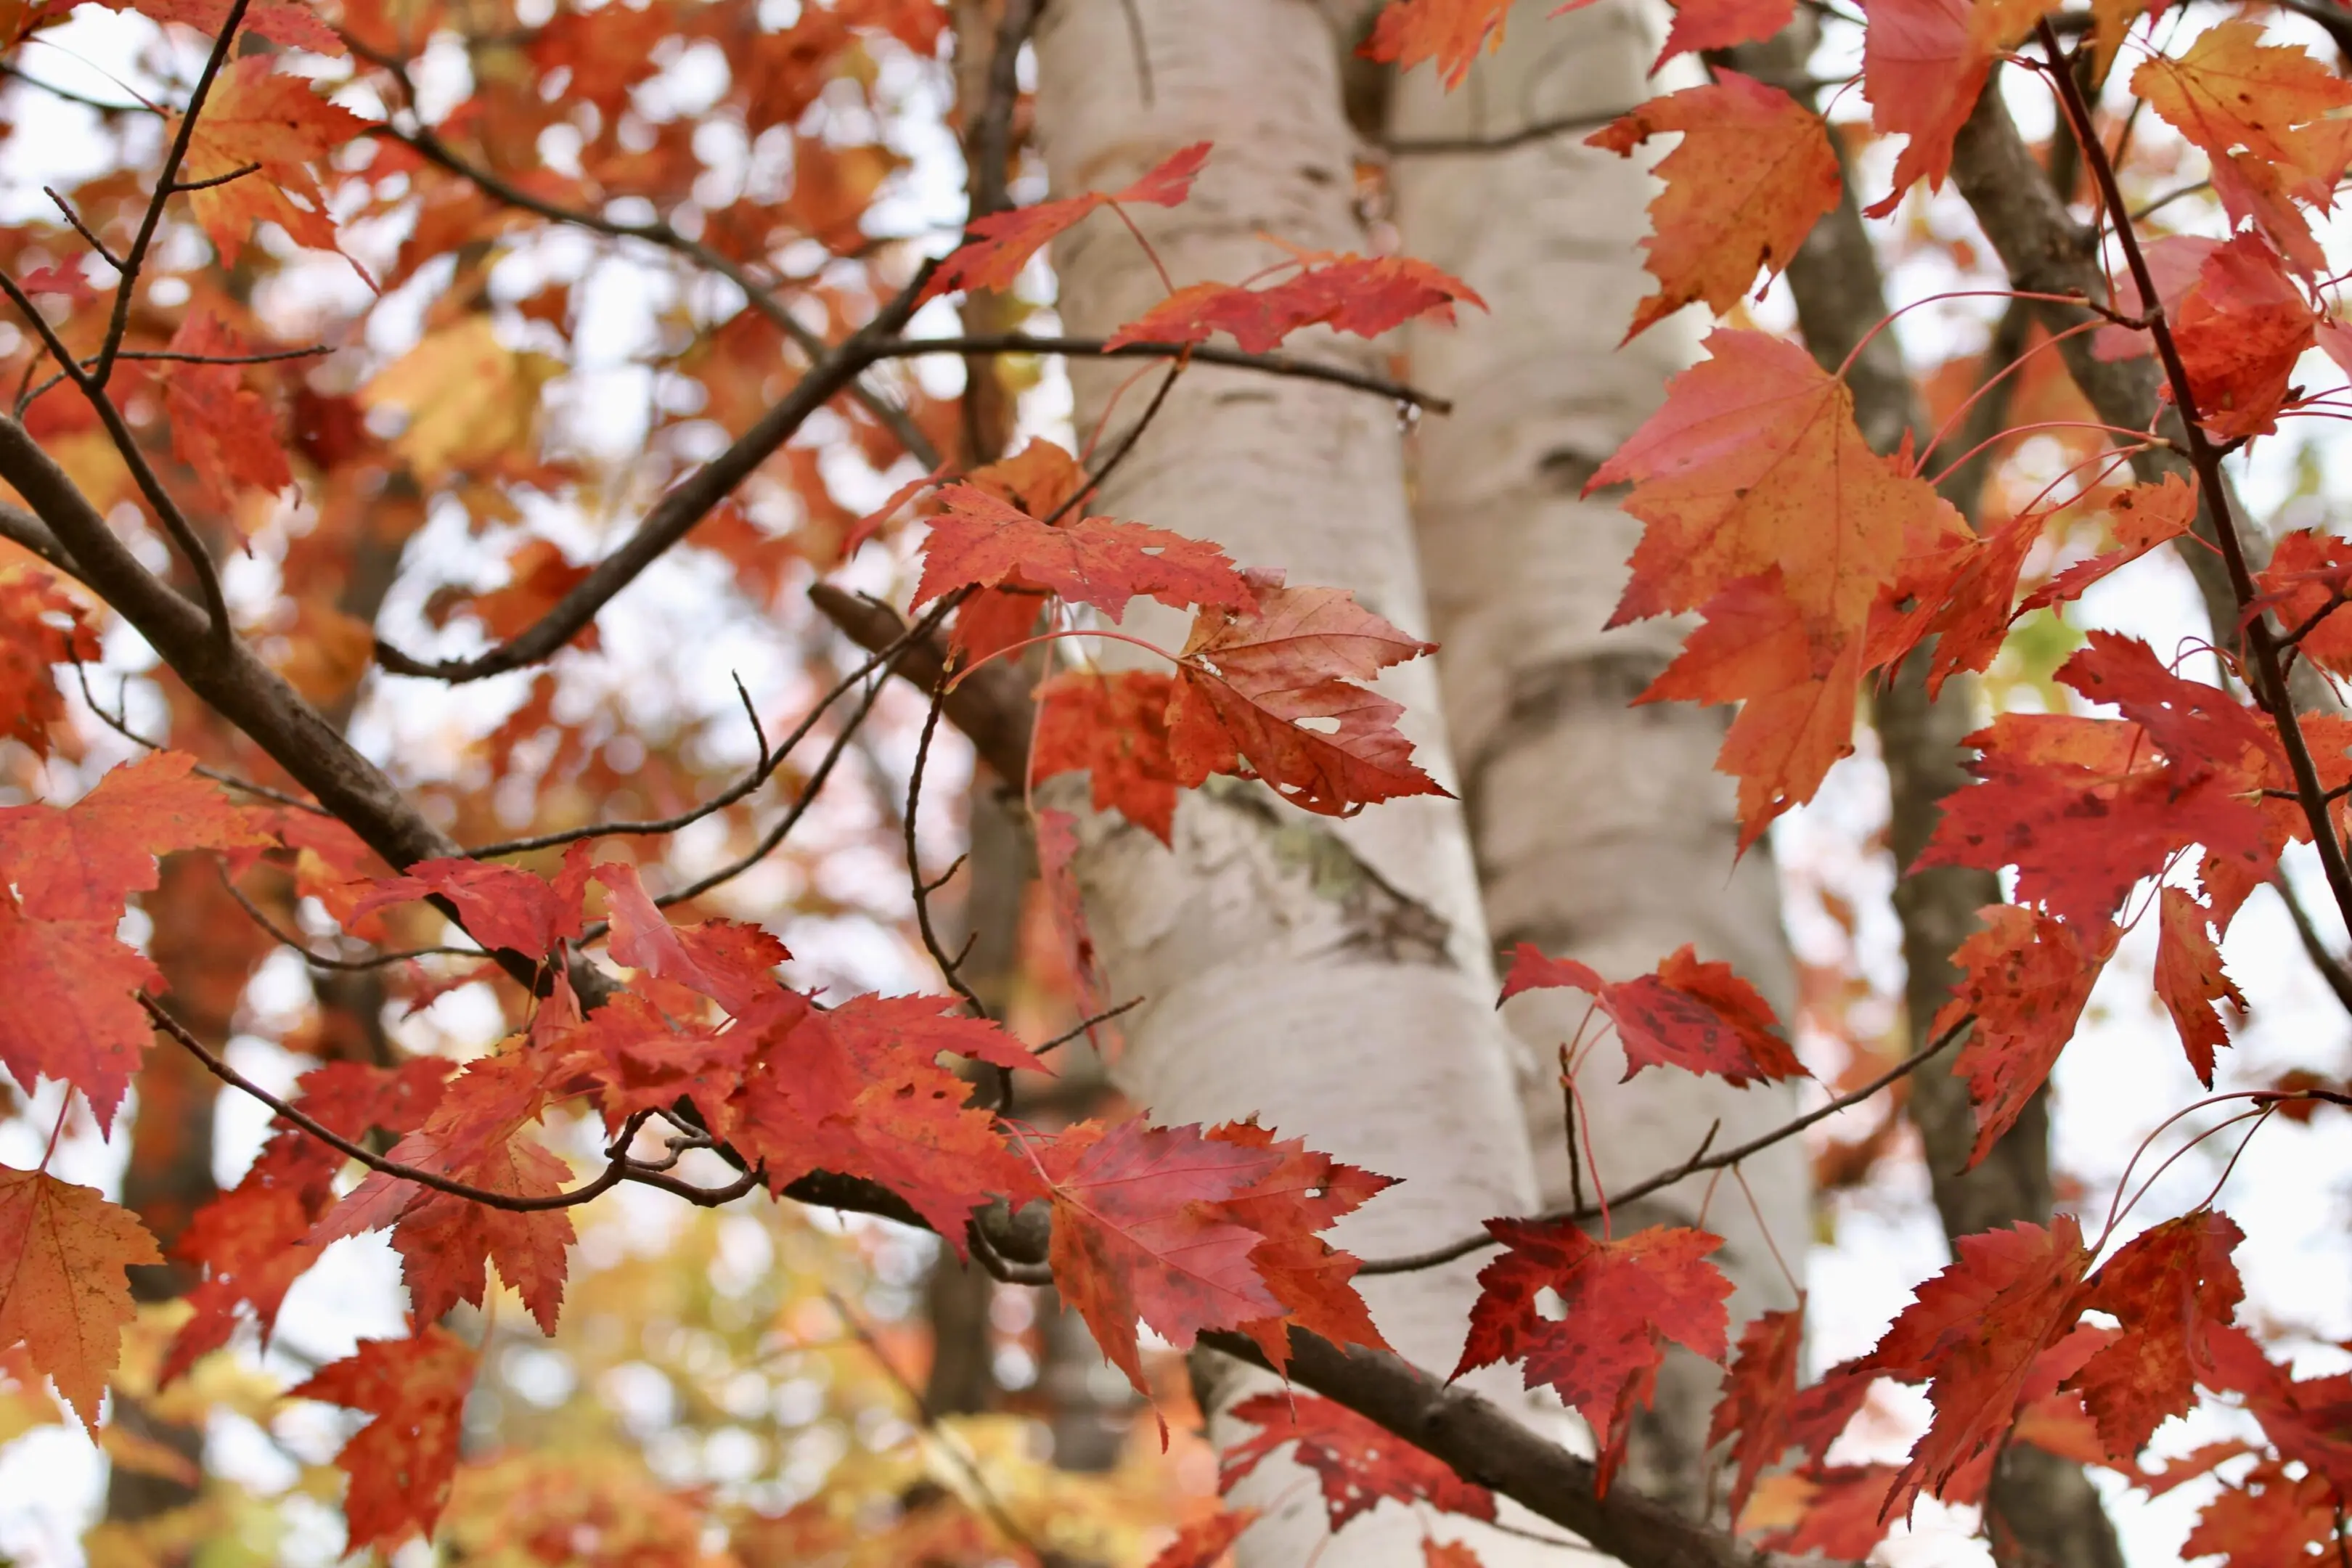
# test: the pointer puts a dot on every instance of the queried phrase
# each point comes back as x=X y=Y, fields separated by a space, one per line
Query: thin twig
x=619 y=1169
x=2315 y=946
x=1206 y=353
x=260 y=917
x=117 y=722
x=1698 y=1162
x=1089 y=1026
x=948 y=967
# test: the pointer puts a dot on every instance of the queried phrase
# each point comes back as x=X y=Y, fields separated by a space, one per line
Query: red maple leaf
x=1249 y=680
x=2167 y=1285
x=1924 y=64
x=220 y=427
x=633 y=1058
x=40 y=625
x=2240 y=330
x=248 y=1239
x=2306 y=586
x=1307 y=1192
x=1973 y=1335
x=1700 y=1017
x=981 y=540
x=1622 y=1301
x=2266 y=1519
x=1364 y=295
x=72 y=1011
x=2083 y=808
x=858 y=1090
x=1833 y=1510
x=731 y=963
x=2025 y=977
x=1001 y=244
x=402 y=1460
x=501 y=906
x=478 y=1134
x=1358 y=1461
x=1758 y=1396
x=2189 y=979
x=1112 y=725
x=1138 y=1235
x=81 y=861
x=1753 y=173
x=295 y=24
x=1205 y=1542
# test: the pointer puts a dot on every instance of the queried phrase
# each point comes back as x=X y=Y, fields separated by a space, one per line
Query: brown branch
x=1482 y=1444
x=677 y=513
x=1700 y=1160
x=2315 y=946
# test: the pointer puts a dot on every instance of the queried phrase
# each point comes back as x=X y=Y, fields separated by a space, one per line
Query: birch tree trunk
x=1333 y=976
x=1602 y=830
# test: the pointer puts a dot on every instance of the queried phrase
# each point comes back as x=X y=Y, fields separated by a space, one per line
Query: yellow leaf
x=469 y=398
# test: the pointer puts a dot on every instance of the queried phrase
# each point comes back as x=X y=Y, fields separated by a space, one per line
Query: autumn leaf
x=471 y=402
x=1367 y=296
x=858 y=1090
x=2230 y=90
x=2024 y=978
x=2240 y=330
x=1436 y=1553
x=401 y=1460
x=1753 y=173
x=1758 y=1392
x=478 y=1135
x=1314 y=1280
x=2189 y=979
x=73 y=1011
x=81 y=862
x=2268 y=1517
x=220 y=427
x=2305 y=586
x=1699 y=1017
x=1205 y=1542
x=1136 y=1235
x=1356 y=1461
x=1621 y=1301
x=2083 y=808
x=1258 y=687
x=1112 y=726
x=257 y=115
x=1924 y=64
x=1450 y=32
x=2138 y=519
x=296 y=24
x=63 y=1292
x=40 y=625
x=1834 y=1511
x=981 y=542
x=731 y=963
x=501 y=906
x=1972 y=1334
x=2165 y=1285
x=999 y=245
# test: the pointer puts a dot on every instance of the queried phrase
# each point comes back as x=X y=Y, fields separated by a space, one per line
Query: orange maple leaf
x=278 y=128
x=1364 y=295
x=63 y=1291
x=1450 y=32
x=1924 y=64
x=982 y=541
x=72 y=1010
x=1753 y=174
x=220 y=427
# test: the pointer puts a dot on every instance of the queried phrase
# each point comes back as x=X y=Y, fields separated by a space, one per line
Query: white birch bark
x=1601 y=831
x=1333 y=977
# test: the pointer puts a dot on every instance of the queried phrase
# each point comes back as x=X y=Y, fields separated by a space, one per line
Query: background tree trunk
x=1332 y=976
x=1602 y=830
